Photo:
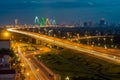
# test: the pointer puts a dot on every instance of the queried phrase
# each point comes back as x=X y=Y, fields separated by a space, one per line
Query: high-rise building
x=90 y=23
x=16 y=21
x=85 y=24
x=102 y=21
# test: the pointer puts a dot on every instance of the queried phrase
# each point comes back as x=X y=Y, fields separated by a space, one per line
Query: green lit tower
x=42 y=22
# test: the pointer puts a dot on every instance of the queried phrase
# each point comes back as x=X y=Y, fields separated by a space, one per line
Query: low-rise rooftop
x=11 y=71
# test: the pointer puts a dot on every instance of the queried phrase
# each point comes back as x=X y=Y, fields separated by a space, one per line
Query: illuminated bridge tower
x=53 y=22
x=36 y=22
x=48 y=22
x=42 y=22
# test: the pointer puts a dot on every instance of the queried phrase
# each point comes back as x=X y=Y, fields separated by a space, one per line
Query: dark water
x=64 y=11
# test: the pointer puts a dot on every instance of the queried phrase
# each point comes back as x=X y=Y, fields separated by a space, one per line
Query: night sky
x=64 y=11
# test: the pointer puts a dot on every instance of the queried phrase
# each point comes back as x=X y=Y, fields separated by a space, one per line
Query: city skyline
x=73 y=10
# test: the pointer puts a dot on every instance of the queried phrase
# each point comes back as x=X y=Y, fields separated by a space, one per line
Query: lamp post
x=67 y=78
x=105 y=46
x=6 y=35
x=28 y=74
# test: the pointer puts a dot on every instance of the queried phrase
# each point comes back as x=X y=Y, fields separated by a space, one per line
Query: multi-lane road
x=110 y=55
x=37 y=69
x=33 y=69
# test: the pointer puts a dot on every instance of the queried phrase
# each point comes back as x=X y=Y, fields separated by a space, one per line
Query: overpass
x=88 y=37
x=110 y=55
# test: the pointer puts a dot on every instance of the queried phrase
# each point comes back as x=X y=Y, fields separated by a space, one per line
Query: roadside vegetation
x=78 y=66
x=29 y=48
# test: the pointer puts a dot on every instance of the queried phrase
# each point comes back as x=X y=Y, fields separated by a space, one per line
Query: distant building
x=4 y=61
x=90 y=24
x=86 y=24
x=8 y=74
x=16 y=21
x=102 y=21
x=4 y=44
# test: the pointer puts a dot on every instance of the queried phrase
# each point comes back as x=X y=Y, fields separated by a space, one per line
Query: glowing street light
x=37 y=70
x=111 y=40
x=92 y=45
x=28 y=74
x=105 y=46
x=6 y=34
x=67 y=78
x=39 y=56
x=23 y=65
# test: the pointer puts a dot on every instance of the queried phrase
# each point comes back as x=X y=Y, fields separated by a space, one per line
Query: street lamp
x=67 y=78
x=28 y=74
x=37 y=70
x=105 y=46
x=6 y=34
x=23 y=65
x=39 y=56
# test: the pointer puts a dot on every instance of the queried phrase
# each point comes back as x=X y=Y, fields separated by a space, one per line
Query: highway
x=26 y=70
x=37 y=71
x=101 y=53
x=36 y=74
x=33 y=68
x=40 y=68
